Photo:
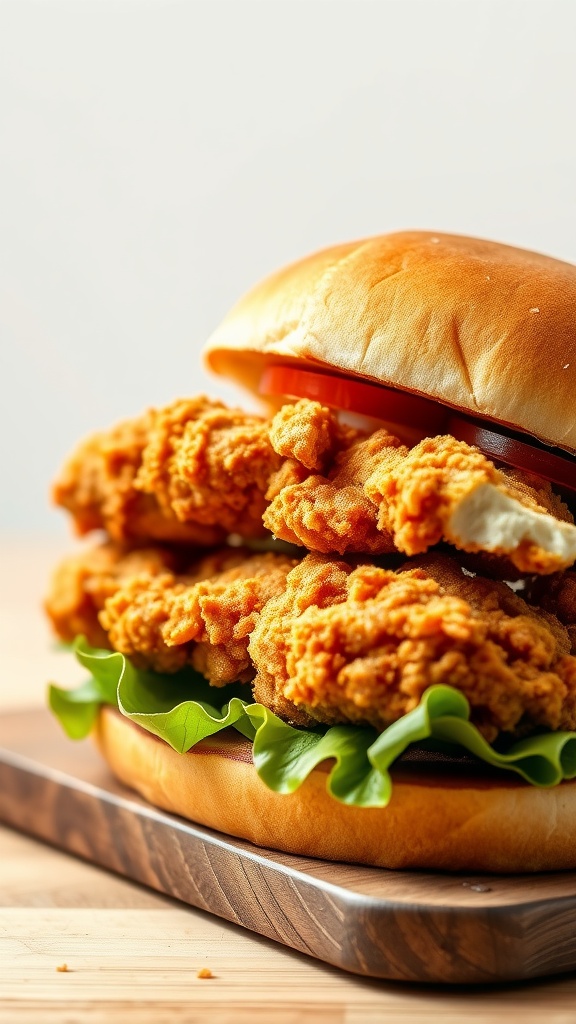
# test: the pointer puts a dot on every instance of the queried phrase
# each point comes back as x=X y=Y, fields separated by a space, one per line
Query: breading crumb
x=63 y=969
x=204 y=972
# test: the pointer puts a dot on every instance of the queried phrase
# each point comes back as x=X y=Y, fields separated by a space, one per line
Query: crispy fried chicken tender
x=445 y=490
x=97 y=485
x=196 y=471
x=375 y=495
x=209 y=465
x=361 y=645
x=310 y=433
x=166 y=609
x=202 y=618
x=192 y=472
x=332 y=512
x=81 y=584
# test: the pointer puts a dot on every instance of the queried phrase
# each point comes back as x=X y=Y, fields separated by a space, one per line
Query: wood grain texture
x=398 y=925
x=140 y=1012
x=141 y=966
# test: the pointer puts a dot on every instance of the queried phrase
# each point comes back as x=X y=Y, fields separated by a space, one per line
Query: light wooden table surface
x=133 y=955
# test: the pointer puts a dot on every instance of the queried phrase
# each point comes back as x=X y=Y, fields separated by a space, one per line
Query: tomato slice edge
x=558 y=469
x=382 y=402
x=352 y=395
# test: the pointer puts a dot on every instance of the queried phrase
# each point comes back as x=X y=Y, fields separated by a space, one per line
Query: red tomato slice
x=354 y=395
x=558 y=469
x=402 y=407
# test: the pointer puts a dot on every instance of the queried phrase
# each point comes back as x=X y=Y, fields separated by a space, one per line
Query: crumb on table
x=62 y=968
x=204 y=972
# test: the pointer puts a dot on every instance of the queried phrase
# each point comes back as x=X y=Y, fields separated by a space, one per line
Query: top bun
x=478 y=326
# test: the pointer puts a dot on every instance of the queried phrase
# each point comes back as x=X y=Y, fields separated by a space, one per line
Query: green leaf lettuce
x=183 y=709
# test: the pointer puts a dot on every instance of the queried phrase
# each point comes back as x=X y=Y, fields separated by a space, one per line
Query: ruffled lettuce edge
x=359 y=758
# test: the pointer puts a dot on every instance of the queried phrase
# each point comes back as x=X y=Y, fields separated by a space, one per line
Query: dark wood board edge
x=361 y=934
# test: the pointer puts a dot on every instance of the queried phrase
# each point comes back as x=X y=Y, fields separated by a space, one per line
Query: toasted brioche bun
x=478 y=326
x=439 y=817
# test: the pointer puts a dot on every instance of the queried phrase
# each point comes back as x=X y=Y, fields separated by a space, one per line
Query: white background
x=157 y=158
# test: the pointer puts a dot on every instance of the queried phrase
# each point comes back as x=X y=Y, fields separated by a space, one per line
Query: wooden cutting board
x=409 y=926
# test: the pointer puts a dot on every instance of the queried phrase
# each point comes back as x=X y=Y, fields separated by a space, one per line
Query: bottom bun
x=455 y=817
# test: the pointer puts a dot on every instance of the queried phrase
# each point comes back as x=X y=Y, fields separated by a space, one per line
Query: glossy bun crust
x=438 y=818
x=481 y=327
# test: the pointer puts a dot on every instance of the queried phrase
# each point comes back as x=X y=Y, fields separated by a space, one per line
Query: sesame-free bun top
x=479 y=326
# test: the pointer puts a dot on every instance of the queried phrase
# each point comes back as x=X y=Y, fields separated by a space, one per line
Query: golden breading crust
x=166 y=612
x=419 y=492
x=81 y=584
x=333 y=512
x=329 y=641
x=345 y=644
x=192 y=472
x=196 y=472
x=208 y=465
x=203 y=619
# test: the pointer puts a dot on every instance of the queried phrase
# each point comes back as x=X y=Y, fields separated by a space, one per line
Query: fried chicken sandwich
x=351 y=619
